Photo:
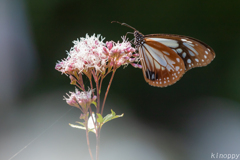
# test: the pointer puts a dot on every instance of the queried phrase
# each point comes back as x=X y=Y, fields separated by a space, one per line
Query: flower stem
x=91 y=85
x=105 y=97
x=97 y=142
x=98 y=97
x=88 y=143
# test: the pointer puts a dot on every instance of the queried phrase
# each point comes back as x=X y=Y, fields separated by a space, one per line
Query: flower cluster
x=92 y=53
x=92 y=57
x=86 y=53
x=121 y=54
x=81 y=100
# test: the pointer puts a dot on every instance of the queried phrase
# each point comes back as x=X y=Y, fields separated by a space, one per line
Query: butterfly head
x=139 y=39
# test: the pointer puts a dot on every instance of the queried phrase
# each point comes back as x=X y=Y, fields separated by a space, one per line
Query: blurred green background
x=196 y=110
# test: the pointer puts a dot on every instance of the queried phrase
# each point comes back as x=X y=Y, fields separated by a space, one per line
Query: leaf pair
x=92 y=121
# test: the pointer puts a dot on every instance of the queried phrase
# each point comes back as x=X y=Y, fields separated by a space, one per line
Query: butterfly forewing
x=193 y=52
x=161 y=65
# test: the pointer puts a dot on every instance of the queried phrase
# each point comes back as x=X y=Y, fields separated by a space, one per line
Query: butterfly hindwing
x=161 y=65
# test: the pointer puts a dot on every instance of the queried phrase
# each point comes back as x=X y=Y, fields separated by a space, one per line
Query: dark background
x=197 y=116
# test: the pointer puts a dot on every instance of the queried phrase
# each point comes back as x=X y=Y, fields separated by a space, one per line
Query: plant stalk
x=88 y=143
x=105 y=97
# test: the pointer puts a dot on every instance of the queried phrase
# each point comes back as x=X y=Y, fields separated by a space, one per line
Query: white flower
x=86 y=53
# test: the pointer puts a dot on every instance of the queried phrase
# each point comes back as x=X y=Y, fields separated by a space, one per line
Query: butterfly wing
x=160 y=64
x=193 y=52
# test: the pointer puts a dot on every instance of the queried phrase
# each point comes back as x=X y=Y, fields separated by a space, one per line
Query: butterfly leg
x=132 y=41
x=128 y=33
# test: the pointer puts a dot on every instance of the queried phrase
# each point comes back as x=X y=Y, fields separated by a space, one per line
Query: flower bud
x=109 y=45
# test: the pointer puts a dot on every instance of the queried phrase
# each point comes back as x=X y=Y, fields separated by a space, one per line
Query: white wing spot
x=179 y=50
x=153 y=76
x=177 y=68
x=184 y=55
x=163 y=68
x=183 y=39
x=168 y=81
x=180 y=69
x=206 y=52
x=202 y=60
x=189 y=65
x=168 y=42
x=164 y=81
x=178 y=59
x=178 y=72
x=191 y=53
x=189 y=61
x=167 y=77
x=208 y=49
x=164 y=78
x=157 y=65
x=160 y=82
x=156 y=82
x=173 y=78
x=166 y=53
x=190 y=48
x=205 y=56
x=196 y=60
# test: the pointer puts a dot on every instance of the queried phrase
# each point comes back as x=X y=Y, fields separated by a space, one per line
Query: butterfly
x=166 y=57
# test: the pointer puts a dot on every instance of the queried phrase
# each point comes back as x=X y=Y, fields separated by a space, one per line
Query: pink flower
x=84 y=99
x=120 y=53
x=86 y=53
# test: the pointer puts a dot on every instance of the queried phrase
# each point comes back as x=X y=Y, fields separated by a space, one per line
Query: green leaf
x=111 y=116
x=76 y=126
x=82 y=127
x=92 y=130
x=95 y=103
x=113 y=113
x=99 y=119
x=81 y=123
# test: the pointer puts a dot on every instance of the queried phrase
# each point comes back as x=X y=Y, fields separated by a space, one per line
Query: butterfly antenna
x=124 y=24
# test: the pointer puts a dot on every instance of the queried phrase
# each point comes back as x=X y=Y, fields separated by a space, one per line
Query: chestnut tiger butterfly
x=166 y=57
